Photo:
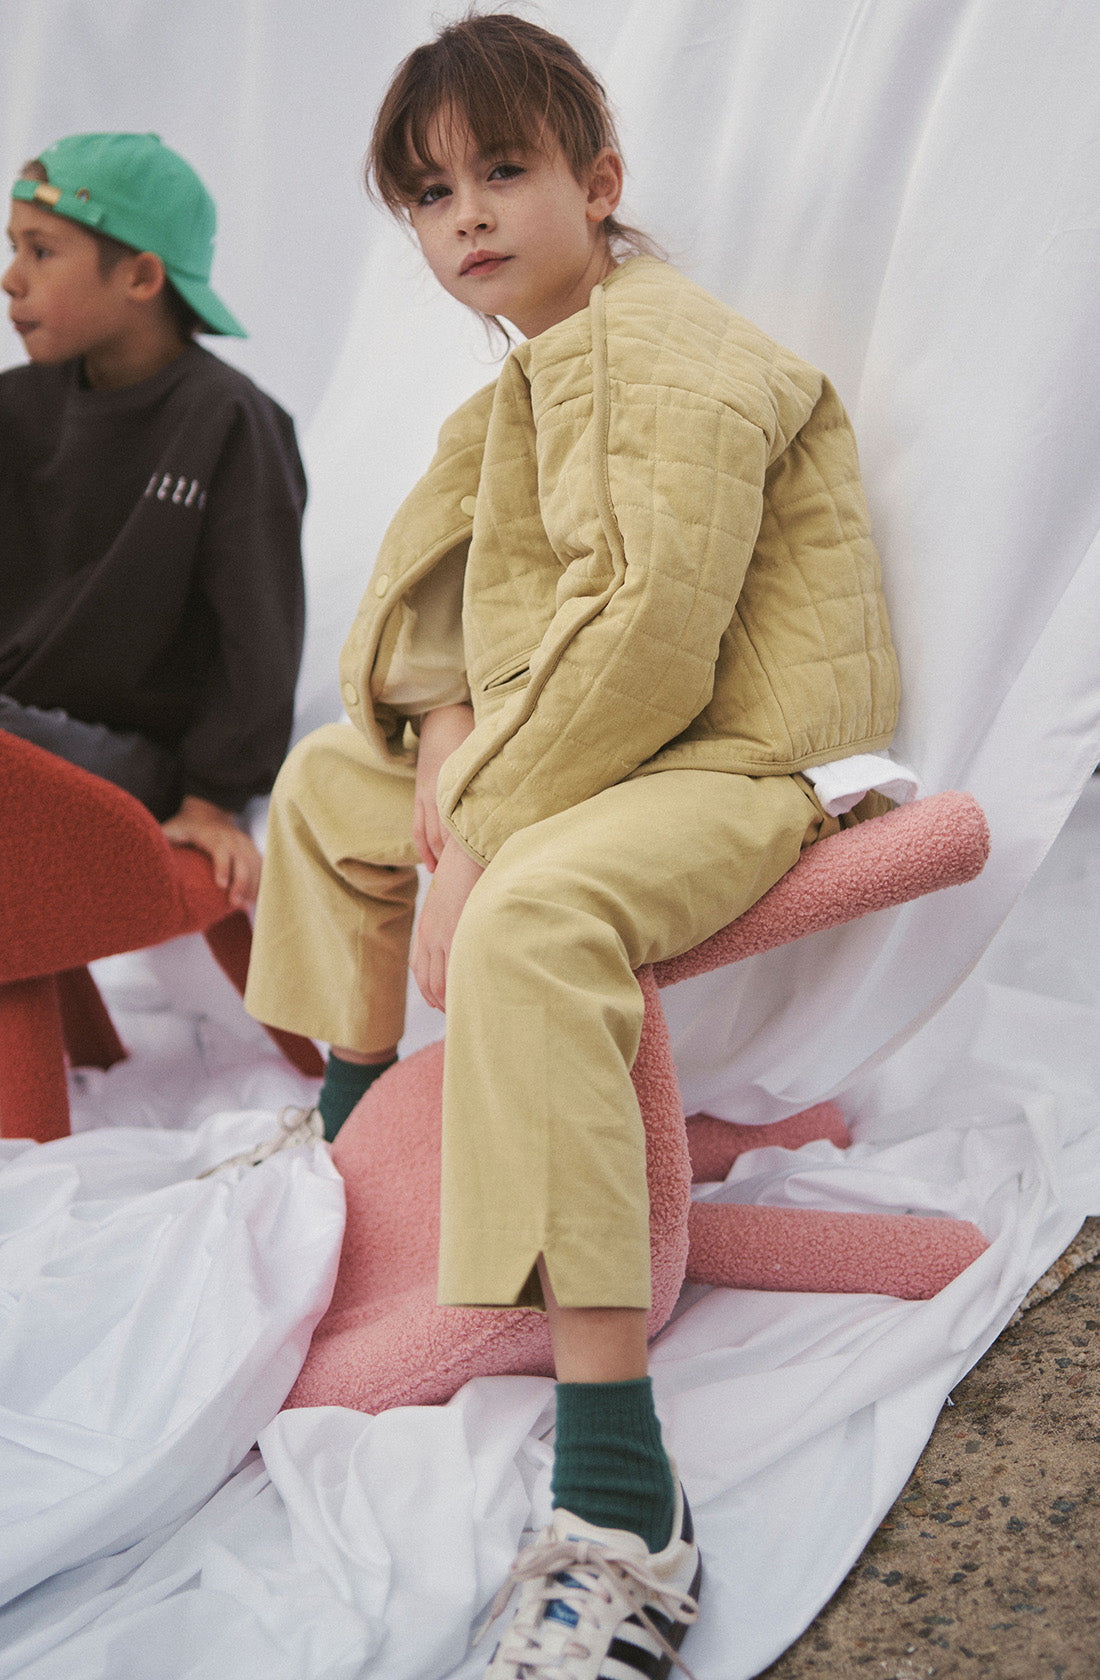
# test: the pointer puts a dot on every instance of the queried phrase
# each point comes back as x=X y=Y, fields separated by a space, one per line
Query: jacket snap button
x=351 y=694
x=381 y=584
x=468 y=505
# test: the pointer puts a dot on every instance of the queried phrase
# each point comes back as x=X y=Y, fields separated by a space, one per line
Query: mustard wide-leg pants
x=330 y=947
x=543 y=1147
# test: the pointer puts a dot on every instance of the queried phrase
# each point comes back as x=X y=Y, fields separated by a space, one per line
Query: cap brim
x=215 y=316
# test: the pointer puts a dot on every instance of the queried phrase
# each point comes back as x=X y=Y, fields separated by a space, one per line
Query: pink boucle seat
x=384 y=1342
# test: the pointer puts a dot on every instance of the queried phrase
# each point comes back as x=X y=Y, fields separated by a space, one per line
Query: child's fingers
x=244 y=874
x=427 y=849
x=433 y=829
x=419 y=837
x=238 y=885
x=439 y=977
x=222 y=860
x=416 y=964
x=234 y=859
x=235 y=864
x=421 y=968
x=429 y=968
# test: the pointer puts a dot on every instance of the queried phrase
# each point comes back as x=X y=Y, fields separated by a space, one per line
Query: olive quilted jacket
x=669 y=563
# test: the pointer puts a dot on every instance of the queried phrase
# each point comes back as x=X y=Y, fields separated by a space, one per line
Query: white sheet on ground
x=906 y=194
x=360 y=1544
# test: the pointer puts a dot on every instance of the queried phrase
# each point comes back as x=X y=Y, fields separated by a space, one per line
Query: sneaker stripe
x=625 y=1660
x=664 y=1624
x=612 y=1670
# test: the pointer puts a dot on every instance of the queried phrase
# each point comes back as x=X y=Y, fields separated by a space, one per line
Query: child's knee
x=492 y=919
x=328 y=786
x=527 y=917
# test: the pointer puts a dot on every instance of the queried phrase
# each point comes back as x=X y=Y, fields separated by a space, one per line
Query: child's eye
x=505 y=171
x=433 y=194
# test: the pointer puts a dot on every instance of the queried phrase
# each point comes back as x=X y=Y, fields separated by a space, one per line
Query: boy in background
x=151 y=499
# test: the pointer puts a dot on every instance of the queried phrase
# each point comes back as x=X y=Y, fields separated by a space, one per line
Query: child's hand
x=233 y=853
x=451 y=885
x=441 y=732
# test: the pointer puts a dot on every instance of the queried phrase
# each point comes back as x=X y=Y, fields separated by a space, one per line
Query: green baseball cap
x=136 y=189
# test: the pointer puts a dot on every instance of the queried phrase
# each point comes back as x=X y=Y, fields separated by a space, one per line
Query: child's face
x=515 y=235
x=61 y=304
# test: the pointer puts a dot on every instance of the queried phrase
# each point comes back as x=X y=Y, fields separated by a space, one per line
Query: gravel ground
x=986 y=1567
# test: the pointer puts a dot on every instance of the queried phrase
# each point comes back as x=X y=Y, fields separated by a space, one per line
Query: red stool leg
x=230 y=942
x=90 y=1036
x=34 y=1092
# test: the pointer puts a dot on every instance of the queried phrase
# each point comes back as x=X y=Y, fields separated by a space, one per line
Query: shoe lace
x=580 y=1574
x=296 y=1125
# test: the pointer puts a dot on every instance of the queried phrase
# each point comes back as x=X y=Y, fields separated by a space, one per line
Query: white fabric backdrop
x=908 y=195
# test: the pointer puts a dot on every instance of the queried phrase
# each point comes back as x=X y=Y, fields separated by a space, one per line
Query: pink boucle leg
x=714 y=1145
x=907 y=1255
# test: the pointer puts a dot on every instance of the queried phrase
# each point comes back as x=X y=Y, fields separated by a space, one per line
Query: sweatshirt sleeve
x=249 y=576
x=653 y=509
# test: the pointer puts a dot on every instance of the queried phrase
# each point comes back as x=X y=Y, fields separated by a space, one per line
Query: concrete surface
x=987 y=1566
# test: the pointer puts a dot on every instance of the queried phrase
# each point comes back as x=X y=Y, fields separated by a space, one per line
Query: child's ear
x=605 y=185
x=147 y=277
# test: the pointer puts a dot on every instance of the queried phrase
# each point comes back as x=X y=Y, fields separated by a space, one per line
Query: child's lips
x=480 y=263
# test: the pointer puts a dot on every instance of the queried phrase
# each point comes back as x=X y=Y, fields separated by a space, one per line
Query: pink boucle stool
x=384 y=1342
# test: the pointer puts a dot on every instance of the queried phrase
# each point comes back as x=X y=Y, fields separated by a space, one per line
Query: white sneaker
x=596 y=1604
x=296 y=1125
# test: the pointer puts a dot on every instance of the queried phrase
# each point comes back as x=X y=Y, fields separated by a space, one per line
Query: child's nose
x=472 y=214
x=9 y=280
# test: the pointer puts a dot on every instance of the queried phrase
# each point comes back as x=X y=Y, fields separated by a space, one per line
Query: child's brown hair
x=512 y=82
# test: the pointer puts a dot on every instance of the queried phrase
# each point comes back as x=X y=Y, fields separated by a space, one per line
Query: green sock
x=610 y=1467
x=344 y=1083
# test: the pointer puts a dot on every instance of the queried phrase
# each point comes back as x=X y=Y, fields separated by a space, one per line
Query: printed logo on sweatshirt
x=184 y=492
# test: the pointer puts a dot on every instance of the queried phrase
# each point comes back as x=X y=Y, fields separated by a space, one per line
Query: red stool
x=85 y=872
x=384 y=1342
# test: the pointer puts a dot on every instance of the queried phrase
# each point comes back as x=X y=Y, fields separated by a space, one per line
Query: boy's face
x=61 y=304
x=516 y=235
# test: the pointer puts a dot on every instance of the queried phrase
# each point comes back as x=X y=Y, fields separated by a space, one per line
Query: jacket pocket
x=511 y=673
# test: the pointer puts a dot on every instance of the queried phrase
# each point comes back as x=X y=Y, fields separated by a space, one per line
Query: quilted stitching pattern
x=670 y=563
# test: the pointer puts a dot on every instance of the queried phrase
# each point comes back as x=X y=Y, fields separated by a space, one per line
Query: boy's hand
x=232 y=852
x=441 y=732
x=454 y=880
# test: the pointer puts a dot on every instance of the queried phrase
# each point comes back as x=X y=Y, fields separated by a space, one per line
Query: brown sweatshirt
x=150 y=562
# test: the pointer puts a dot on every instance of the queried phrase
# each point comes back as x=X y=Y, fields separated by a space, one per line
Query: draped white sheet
x=909 y=195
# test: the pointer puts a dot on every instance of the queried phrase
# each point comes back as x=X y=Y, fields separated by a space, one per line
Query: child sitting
x=631 y=603
x=151 y=497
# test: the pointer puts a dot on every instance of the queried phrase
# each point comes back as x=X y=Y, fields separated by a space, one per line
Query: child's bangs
x=496 y=123
x=512 y=85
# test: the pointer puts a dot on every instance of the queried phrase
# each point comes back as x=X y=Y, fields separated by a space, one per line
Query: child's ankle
x=345 y=1082
x=610 y=1466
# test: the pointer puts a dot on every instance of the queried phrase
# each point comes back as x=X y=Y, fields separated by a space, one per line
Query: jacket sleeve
x=250 y=578
x=652 y=508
